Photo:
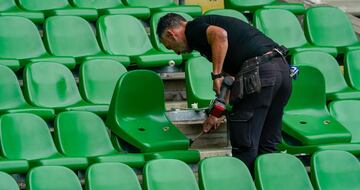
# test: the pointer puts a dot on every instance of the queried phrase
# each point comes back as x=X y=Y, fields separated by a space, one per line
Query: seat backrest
x=111 y=176
x=328 y=26
x=307 y=94
x=25 y=136
x=10 y=92
x=45 y=84
x=7 y=182
x=6 y=5
x=346 y=112
x=228 y=3
x=352 y=68
x=326 y=64
x=97 y=4
x=198 y=82
x=19 y=38
x=280 y=25
x=119 y=40
x=150 y=4
x=281 y=171
x=335 y=169
x=52 y=178
x=224 y=173
x=227 y=12
x=137 y=113
x=41 y=5
x=98 y=79
x=153 y=26
x=70 y=36
x=164 y=174
x=82 y=134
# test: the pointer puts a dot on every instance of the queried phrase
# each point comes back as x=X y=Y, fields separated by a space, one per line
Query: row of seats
x=80 y=139
x=253 y=5
x=37 y=10
x=330 y=170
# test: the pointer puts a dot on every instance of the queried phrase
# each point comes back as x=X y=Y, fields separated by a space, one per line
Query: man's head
x=171 y=32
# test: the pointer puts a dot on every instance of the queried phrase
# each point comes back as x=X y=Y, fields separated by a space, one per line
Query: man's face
x=172 y=39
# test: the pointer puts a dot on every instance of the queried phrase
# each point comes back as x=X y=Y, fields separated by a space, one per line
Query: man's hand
x=217 y=85
x=211 y=122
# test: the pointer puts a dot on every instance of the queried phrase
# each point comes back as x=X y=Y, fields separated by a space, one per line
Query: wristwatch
x=216 y=76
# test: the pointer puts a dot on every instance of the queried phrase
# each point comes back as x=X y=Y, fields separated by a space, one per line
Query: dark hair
x=170 y=20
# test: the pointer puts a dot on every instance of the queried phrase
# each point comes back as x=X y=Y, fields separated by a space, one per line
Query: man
x=255 y=119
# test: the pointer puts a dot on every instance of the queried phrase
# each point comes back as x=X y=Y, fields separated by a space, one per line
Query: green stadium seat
x=13 y=166
x=167 y=174
x=12 y=99
x=132 y=41
x=98 y=79
x=337 y=32
x=253 y=5
x=7 y=182
x=352 y=68
x=113 y=7
x=57 y=8
x=137 y=115
x=111 y=176
x=306 y=118
x=198 y=82
x=288 y=32
x=27 y=136
x=155 y=39
x=281 y=171
x=21 y=43
x=83 y=134
x=165 y=6
x=335 y=84
x=9 y=8
x=45 y=84
x=335 y=169
x=52 y=178
x=227 y=12
x=62 y=31
x=224 y=173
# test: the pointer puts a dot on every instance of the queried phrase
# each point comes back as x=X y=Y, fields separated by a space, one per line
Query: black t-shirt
x=244 y=41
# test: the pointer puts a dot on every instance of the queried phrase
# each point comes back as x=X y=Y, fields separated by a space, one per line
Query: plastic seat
x=227 y=12
x=137 y=115
x=13 y=166
x=198 y=82
x=113 y=7
x=21 y=43
x=45 y=84
x=111 y=176
x=253 y=5
x=7 y=182
x=9 y=8
x=98 y=79
x=52 y=178
x=335 y=84
x=57 y=8
x=165 y=6
x=281 y=171
x=132 y=41
x=155 y=39
x=224 y=173
x=12 y=99
x=83 y=134
x=352 y=68
x=167 y=174
x=324 y=32
x=306 y=118
x=62 y=31
x=335 y=169
x=288 y=32
x=26 y=136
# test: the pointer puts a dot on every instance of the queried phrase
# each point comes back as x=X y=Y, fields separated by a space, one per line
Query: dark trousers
x=255 y=121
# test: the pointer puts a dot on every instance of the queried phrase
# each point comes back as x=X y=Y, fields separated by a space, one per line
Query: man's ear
x=169 y=33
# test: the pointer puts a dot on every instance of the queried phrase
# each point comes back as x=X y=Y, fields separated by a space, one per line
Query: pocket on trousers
x=240 y=129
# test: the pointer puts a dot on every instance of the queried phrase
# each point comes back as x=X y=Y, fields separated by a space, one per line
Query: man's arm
x=217 y=38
